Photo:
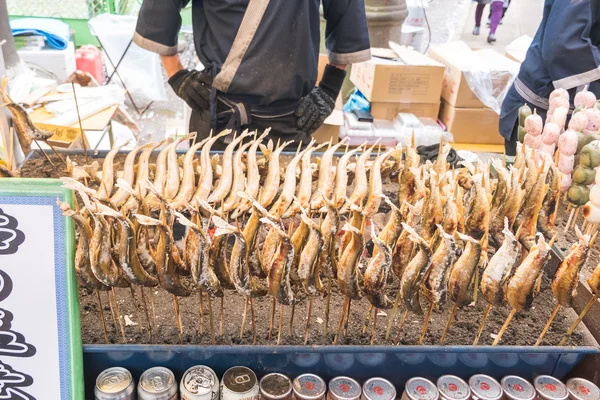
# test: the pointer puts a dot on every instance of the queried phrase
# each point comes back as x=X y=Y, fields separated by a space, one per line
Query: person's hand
x=193 y=87
x=319 y=103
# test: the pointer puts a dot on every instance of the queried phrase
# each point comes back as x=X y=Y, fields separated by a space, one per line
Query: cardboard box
x=414 y=79
x=380 y=110
x=517 y=49
x=330 y=128
x=60 y=62
x=471 y=125
x=458 y=58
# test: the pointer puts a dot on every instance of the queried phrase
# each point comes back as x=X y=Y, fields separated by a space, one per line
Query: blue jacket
x=280 y=65
x=564 y=54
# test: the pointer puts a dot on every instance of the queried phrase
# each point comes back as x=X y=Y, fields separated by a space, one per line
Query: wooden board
x=96 y=122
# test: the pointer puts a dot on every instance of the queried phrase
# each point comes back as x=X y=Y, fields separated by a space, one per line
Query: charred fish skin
x=102 y=263
x=349 y=277
x=566 y=279
x=478 y=215
x=376 y=275
x=404 y=245
x=463 y=271
x=435 y=281
x=500 y=268
x=278 y=278
x=546 y=222
x=308 y=271
x=130 y=262
x=329 y=230
x=413 y=273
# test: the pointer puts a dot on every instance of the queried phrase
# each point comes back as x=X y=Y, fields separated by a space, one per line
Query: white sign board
x=40 y=341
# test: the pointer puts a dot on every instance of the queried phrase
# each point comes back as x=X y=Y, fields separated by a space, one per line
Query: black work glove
x=319 y=103
x=193 y=87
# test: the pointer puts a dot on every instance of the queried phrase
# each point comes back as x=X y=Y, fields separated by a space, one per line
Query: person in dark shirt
x=260 y=59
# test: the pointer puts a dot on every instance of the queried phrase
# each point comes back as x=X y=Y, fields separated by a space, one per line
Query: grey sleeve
x=158 y=25
x=346 y=32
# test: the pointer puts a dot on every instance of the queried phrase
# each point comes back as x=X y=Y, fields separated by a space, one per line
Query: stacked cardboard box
x=469 y=120
x=410 y=83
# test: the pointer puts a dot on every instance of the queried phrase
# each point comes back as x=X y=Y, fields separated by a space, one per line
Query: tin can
x=239 y=383
x=420 y=389
x=452 y=387
x=378 y=389
x=484 y=387
x=114 y=384
x=309 y=387
x=517 y=388
x=582 y=389
x=275 y=387
x=549 y=388
x=344 y=388
x=157 y=383
x=199 y=383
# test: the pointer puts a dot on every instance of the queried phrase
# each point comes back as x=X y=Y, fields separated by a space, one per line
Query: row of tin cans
x=240 y=383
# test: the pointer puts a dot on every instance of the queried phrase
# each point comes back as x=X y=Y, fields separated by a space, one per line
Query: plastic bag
x=357 y=101
x=140 y=69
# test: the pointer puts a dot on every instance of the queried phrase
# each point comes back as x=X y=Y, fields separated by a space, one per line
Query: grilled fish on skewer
x=205 y=181
x=361 y=184
x=413 y=273
x=308 y=263
x=271 y=185
x=566 y=279
x=289 y=185
x=435 y=280
x=502 y=188
x=223 y=187
x=244 y=282
x=238 y=182
x=375 y=184
x=356 y=221
x=499 y=268
x=392 y=229
x=252 y=177
x=520 y=291
x=531 y=208
x=450 y=213
x=478 y=214
x=108 y=173
x=405 y=245
x=341 y=176
x=326 y=177
x=349 y=277
x=173 y=176
x=432 y=209
x=121 y=196
x=547 y=219
x=406 y=178
x=376 y=275
x=462 y=273
x=594 y=281
x=329 y=230
x=83 y=269
x=165 y=266
x=186 y=190
x=278 y=279
x=160 y=176
x=143 y=172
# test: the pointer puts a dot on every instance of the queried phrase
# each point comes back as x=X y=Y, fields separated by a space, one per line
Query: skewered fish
x=361 y=185
x=271 y=185
x=278 y=278
x=329 y=230
x=435 y=280
x=547 y=219
x=308 y=263
x=404 y=245
x=375 y=184
x=238 y=183
x=120 y=195
x=186 y=190
x=326 y=177
x=142 y=175
x=223 y=187
x=252 y=177
x=205 y=180
x=173 y=176
x=566 y=279
x=413 y=273
x=407 y=177
x=341 y=176
x=349 y=277
x=462 y=273
x=108 y=174
x=289 y=185
x=377 y=272
x=392 y=229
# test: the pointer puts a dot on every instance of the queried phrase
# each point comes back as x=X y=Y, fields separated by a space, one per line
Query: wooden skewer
x=450 y=320
x=148 y=325
x=426 y=324
x=243 y=328
x=342 y=317
x=397 y=340
x=102 y=316
x=178 y=318
x=392 y=316
x=476 y=285
x=272 y=317
x=576 y=217
x=210 y=317
x=201 y=294
x=307 y=332
x=137 y=311
x=112 y=312
x=503 y=329
x=253 y=321
x=57 y=154
x=280 y=324
x=374 y=328
x=291 y=328
x=327 y=304
x=80 y=125
x=347 y=317
x=221 y=317
x=119 y=315
x=545 y=330
x=367 y=320
x=44 y=153
x=153 y=304
x=587 y=308
x=571 y=215
x=486 y=313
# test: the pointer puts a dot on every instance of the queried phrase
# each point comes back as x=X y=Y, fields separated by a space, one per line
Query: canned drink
x=517 y=388
x=582 y=389
x=199 y=383
x=378 y=389
x=239 y=383
x=549 y=388
x=344 y=388
x=157 y=383
x=484 y=387
x=275 y=387
x=309 y=387
x=115 y=384
x=420 y=389
x=452 y=387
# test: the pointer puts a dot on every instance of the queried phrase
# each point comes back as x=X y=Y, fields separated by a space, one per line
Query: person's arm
x=346 y=32
x=567 y=50
x=172 y=64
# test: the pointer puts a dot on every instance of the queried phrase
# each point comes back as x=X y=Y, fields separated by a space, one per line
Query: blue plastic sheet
x=55 y=31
